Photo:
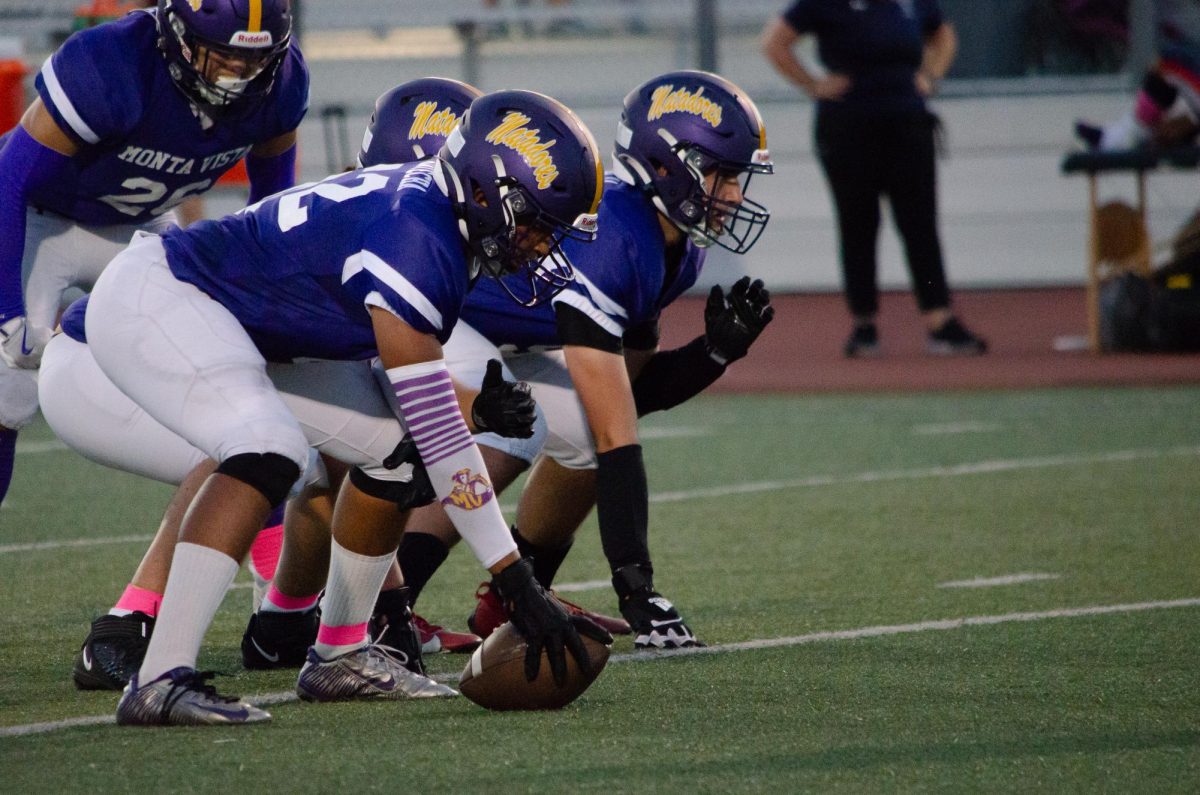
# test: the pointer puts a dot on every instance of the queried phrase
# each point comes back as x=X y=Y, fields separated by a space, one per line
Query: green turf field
x=773 y=518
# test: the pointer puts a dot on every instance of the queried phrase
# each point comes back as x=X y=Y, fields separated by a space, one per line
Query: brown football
x=495 y=675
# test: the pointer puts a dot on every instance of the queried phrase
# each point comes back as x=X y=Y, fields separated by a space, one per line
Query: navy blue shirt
x=878 y=44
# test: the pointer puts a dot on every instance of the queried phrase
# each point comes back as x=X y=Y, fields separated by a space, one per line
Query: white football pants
x=59 y=254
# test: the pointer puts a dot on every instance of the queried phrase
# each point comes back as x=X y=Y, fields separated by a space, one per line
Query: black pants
x=868 y=157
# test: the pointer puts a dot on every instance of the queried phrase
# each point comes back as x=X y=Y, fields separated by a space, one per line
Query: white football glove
x=21 y=345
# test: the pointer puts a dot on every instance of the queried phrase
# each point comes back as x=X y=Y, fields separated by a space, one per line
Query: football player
x=95 y=418
x=375 y=262
x=132 y=117
x=687 y=144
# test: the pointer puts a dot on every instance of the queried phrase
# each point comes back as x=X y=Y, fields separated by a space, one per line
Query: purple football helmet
x=524 y=173
x=680 y=127
x=223 y=54
x=411 y=121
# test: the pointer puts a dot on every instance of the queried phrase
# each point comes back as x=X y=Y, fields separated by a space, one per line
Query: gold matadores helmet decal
x=668 y=99
x=513 y=133
x=429 y=119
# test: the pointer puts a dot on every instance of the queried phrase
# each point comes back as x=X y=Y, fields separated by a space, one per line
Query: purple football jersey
x=621 y=279
x=143 y=147
x=300 y=268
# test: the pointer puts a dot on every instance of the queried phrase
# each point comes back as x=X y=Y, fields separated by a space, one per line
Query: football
x=495 y=675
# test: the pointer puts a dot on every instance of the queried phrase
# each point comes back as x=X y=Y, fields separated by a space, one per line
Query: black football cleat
x=279 y=640
x=392 y=626
x=113 y=651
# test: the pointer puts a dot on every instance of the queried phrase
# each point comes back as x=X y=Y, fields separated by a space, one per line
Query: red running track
x=802 y=350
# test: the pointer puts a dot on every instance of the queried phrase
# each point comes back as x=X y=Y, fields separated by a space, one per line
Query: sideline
x=750 y=645
x=882 y=476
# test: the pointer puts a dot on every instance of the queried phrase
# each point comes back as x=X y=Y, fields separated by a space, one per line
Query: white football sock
x=350 y=593
x=199 y=578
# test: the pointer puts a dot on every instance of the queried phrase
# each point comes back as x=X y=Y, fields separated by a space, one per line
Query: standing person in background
x=875 y=137
x=132 y=117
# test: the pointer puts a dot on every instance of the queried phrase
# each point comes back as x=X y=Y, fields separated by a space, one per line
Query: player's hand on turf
x=655 y=622
x=21 y=345
x=505 y=408
x=544 y=623
x=733 y=323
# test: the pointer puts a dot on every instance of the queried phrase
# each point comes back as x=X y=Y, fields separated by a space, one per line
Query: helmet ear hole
x=477 y=193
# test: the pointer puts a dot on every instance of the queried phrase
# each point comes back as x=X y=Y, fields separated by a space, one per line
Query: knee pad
x=271 y=474
x=411 y=494
x=18 y=397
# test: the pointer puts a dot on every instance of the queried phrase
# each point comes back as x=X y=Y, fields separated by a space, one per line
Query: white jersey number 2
x=147 y=192
x=293 y=211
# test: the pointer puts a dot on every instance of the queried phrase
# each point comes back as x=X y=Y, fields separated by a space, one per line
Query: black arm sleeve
x=671 y=377
x=623 y=506
x=576 y=328
x=642 y=337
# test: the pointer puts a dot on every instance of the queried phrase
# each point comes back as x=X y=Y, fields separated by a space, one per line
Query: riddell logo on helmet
x=245 y=38
x=428 y=120
x=666 y=99
x=513 y=133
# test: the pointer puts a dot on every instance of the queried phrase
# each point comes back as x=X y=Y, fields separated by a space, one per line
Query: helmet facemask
x=705 y=216
x=222 y=77
x=528 y=247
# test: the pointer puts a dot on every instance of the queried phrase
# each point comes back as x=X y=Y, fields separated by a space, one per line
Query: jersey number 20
x=147 y=192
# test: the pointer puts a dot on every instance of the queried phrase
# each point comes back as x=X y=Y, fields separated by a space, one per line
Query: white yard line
x=586 y=585
x=72 y=542
x=33 y=448
x=991 y=582
x=681 y=432
x=958 y=470
x=882 y=476
x=944 y=428
x=750 y=645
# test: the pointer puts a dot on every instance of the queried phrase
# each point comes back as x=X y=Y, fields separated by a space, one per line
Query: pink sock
x=137 y=599
x=277 y=602
x=264 y=552
x=1146 y=111
x=335 y=641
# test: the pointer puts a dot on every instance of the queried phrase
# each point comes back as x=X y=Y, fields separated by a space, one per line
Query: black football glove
x=544 y=623
x=732 y=325
x=655 y=622
x=505 y=408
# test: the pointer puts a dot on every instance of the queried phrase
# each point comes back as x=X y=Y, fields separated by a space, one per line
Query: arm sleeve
x=429 y=408
x=671 y=377
x=623 y=506
x=642 y=337
x=24 y=165
x=270 y=175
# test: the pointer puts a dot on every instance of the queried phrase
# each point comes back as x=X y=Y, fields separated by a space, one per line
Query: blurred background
x=1026 y=69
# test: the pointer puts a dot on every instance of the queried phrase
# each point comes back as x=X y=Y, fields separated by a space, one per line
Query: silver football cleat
x=367 y=673
x=181 y=697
